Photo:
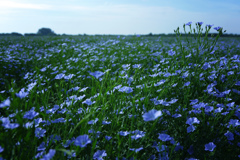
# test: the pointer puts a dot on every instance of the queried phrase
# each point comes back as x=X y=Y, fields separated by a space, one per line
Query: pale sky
x=116 y=16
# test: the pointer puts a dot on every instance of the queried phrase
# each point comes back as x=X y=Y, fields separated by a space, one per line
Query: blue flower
x=191 y=128
x=237 y=83
x=178 y=147
x=82 y=141
x=138 y=134
x=136 y=149
x=6 y=123
x=152 y=157
x=230 y=104
x=194 y=101
x=39 y=132
x=160 y=147
x=160 y=82
x=199 y=23
x=93 y=121
x=208 y=108
x=186 y=84
x=151 y=115
x=43 y=69
x=210 y=146
x=189 y=23
x=69 y=76
x=164 y=137
x=1 y=149
x=88 y=102
x=41 y=147
x=217 y=28
x=22 y=93
x=206 y=66
x=126 y=89
x=30 y=114
x=59 y=76
x=105 y=122
x=209 y=25
x=108 y=138
x=193 y=120
x=218 y=110
x=124 y=133
x=97 y=74
x=99 y=154
x=229 y=136
x=50 y=155
x=173 y=101
x=190 y=150
x=5 y=103
x=234 y=122
x=176 y=115
x=58 y=120
x=171 y=52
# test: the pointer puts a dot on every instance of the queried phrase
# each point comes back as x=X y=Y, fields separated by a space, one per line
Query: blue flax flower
x=210 y=146
x=208 y=108
x=108 y=138
x=82 y=141
x=136 y=149
x=50 y=155
x=105 y=122
x=206 y=66
x=1 y=149
x=191 y=150
x=6 y=123
x=88 y=102
x=30 y=114
x=41 y=147
x=39 y=132
x=97 y=74
x=194 y=101
x=193 y=120
x=138 y=135
x=93 y=121
x=164 y=137
x=99 y=154
x=217 y=28
x=59 y=76
x=124 y=133
x=176 y=115
x=209 y=25
x=5 y=103
x=237 y=83
x=191 y=128
x=151 y=115
x=160 y=82
x=126 y=89
x=189 y=23
x=234 y=122
x=229 y=136
x=22 y=93
x=199 y=23
x=160 y=147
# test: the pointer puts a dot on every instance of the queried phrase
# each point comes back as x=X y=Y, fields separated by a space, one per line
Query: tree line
x=49 y=32
x=41 y=32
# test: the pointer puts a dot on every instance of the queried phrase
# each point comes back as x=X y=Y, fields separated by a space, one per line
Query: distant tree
x=150 y=34
x=16 y=34
x=30 y=34
x=45 y=32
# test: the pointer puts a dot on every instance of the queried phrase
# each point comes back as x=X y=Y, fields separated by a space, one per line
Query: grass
x=122 y=97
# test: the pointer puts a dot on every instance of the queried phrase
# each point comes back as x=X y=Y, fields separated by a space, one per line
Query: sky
x=119 y=17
